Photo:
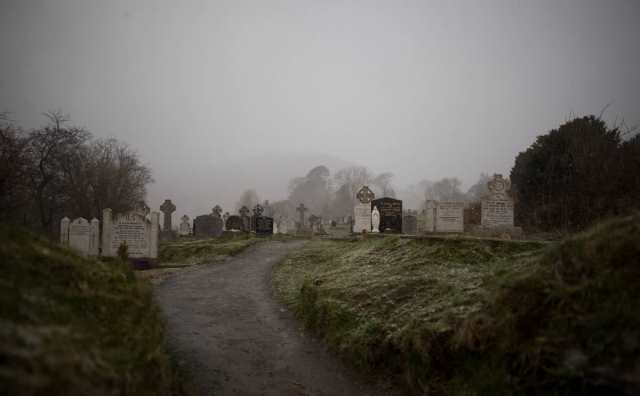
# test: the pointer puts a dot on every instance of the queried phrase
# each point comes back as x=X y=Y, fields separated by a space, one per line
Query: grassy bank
x=73 y=326
x=467 y=317
x=186 y=251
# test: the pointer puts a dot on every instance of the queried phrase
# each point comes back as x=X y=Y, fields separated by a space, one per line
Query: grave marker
x=362 y=210
x=390 y=214
x=133 y=228
x=449 y=217
x=497 y=207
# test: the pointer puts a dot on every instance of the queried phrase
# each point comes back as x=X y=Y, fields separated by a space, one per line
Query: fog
x=221 y=96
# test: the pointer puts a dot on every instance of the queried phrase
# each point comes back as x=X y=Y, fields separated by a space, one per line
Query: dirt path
x=233 y=338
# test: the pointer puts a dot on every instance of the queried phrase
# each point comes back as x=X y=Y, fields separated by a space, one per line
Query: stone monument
x=301 y=209
x=362 y=210
x=449 y=217
x=390 y=214
x=497 y=206
x=133 y=228
x=375 y=220
x=167 y=209
x=185 y=226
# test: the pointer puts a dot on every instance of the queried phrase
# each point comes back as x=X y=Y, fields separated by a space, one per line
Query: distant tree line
x=60 y=170
x=569 y=178
x=577 y=174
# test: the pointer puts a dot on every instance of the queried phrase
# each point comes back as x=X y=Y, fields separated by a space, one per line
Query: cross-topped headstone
x=257 y=211
x=216 y=211
x=167 y=208
x=365 y=195
x=301 y=209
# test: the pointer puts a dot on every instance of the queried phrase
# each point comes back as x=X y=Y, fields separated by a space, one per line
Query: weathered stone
x=185 y=226
x=139 y=233
x=449 y=217
x=207 y=226
x=497 y=207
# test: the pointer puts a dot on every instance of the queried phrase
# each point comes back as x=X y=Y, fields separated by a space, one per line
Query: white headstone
x=375 y=220
x=64 y=231
x=362 y=210
x=362 y=217
x=497 y=207
x=430 y=216
x=449 y=217
x=79 y=236
x=185 y=226
x=139 y=233
x=94 y=237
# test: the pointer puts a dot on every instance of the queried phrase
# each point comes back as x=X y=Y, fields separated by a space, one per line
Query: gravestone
x=94 y=237
x=64 y=231
x=246 y=219
x=449 y=217
x=185 y=226
x=362 y=210
x=263 y=225
x=497 y=207
x=410 y=224
x=314 y=223
x=390 y=214
x=81 y=236
x=420 y=221
x=430 y=216
x=167 y=209
x=301 y=209
x=207 y=226
x=234 y=223
x=216 y=211
x=225 y=216
x=133 y=228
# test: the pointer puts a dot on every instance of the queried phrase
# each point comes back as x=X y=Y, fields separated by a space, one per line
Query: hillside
x=464 y=317
x=74 y=326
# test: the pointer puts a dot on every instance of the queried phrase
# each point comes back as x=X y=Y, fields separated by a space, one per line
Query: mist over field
x=221 y=96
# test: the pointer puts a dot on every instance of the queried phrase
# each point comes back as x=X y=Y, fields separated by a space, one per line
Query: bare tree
x=47 y=149
x=13 y=165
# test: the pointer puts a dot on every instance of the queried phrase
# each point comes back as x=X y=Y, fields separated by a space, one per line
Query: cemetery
x=319 y=198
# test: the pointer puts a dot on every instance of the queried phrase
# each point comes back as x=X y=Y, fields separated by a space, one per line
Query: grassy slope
x=479 y=317
x=193 y=251
x=73 y=326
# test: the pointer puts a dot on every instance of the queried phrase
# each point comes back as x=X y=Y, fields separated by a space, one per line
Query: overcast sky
x=218 y=96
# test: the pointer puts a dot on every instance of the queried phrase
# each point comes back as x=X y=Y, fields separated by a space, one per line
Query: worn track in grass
x=232 y=338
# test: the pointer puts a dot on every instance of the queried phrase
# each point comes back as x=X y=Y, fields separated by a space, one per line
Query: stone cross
x=167 y=209
x=257 y=211
x=244 y=211
x=216 y=211
x=301 y=209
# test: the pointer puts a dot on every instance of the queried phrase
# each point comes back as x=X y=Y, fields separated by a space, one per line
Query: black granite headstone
x=390 y=214
x=207 y=226
x=263 y=225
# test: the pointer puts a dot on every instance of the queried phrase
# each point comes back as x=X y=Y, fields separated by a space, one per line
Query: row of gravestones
x=214 y=224
x=386 y=215
x=137 y=230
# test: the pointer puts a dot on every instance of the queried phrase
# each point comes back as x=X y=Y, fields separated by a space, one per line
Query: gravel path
x=232 y=338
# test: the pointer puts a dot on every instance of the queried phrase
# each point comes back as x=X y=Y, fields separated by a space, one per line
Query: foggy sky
x=219 y=96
